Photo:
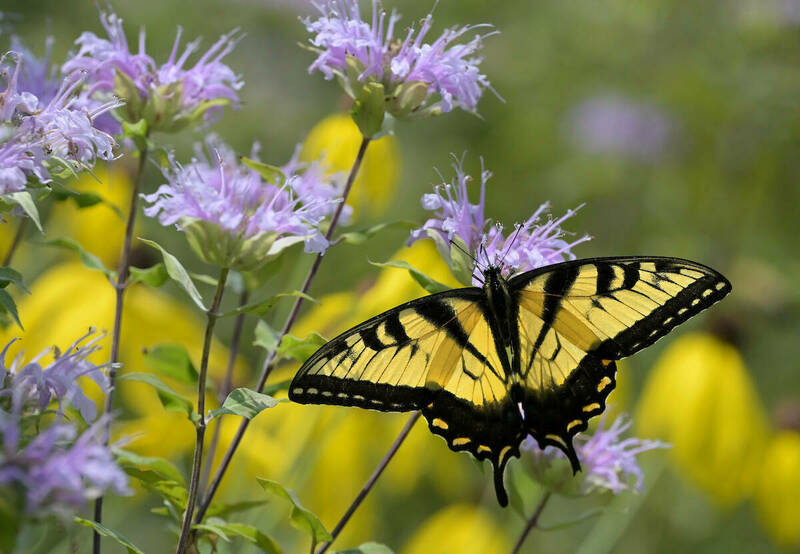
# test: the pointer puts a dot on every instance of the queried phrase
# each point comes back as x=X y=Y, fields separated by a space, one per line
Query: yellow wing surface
x=569 y=322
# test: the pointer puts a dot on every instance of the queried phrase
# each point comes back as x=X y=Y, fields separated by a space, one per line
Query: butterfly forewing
x=576 y=318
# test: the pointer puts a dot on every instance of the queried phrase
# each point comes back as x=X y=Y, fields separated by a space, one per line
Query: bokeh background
x=675 y=124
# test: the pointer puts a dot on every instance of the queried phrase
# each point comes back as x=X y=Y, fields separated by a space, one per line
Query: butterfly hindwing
x=436 y=354
x=576 y=318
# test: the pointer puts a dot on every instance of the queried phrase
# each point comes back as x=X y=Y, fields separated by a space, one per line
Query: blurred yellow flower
x=777 y=494
x=699 y=397
x=336 y=140
x=99 y=228
x=461 y=528
x=69 y=298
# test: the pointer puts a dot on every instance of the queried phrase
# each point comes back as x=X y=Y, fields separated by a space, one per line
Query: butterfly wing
x=576 y=318
x=436 y=354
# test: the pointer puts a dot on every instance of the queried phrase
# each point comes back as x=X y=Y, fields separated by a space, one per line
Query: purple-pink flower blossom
x=530 y=245
x=447 y=68
x=215 y=188
x=608 y=461
x=187 y=92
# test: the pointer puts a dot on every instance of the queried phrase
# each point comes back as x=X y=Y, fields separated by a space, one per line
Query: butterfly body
x=534 y=354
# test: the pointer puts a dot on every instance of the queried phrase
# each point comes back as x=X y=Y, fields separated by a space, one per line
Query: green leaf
x=462 y=264
x=219 y=510
x=11 y=276
x=138 y=131
x=368 y=548
x=250 y=534
x=25 y=201
x=171 y=360
x=300 y=349
x=246 y=403
x=172 y=492
x=178 y=273
x=8 y=304
x=160 y=466
x=155 y=276
x=428 y=283
x=171 y=400
x=301 y=518
x=217 y=530
x=369 y=109
x=359 y=237
x=262 y=307
x=87 y=258
x=106 y=532
x=270 y=173
x=265 y=336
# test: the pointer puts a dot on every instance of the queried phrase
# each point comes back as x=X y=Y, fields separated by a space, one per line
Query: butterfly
x=533 y=354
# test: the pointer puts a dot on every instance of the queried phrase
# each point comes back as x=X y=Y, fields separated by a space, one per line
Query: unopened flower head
x=29 y=384
x=169 y=97
x=459 y=224
x=419 y=78
x=57 y=473
x=233 y=216
x=608 y=461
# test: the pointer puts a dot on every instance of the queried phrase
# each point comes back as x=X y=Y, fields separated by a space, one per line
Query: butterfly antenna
x=511 y=243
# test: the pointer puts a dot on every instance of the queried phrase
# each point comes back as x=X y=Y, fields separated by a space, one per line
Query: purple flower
x=30 y=383
x=320 y=191
x=608 y=462
x=169 y=97
x=532 y=244
x=620 y=126
x=58 y=473
x=235 y=213
x=410 y=70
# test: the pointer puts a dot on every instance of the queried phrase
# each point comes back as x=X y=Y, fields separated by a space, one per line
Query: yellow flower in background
x=461 y=528
x=777 y=494
x=699 y=397
x=100 y=228
x=69 y=298
x=336 y=139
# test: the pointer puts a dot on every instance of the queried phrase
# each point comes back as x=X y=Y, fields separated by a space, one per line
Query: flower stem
x=534 y=519
x=270 y=358
x=370 y=482
x=119 y=286
x=225 y=390
x=23 y=223
x=200 y=426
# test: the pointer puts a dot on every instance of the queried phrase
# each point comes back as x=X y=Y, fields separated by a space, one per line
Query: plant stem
x=534 y=519
x=119 y=286
x=270 y=358
x=225 y=390
x=370 y=482
x=23 y=223
x=212 y=316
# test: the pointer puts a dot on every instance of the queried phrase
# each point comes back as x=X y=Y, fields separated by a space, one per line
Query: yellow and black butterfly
x=534 y=354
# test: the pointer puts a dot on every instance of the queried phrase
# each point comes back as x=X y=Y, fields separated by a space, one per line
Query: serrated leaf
x=155 y=276
x=359 y=237
x=178 y=273
x=251 y=534
x=262 y=307
x=8 y=304
x=270 y=173
x=159 y=466
x=300 y=349
x=246 y=403
x=25 y=201
x=171 y=400
x=428 y=283
x=171 y=360
x=87 y=258
x=303 y=519
x=10 y=276
x=265 y=336
x=110 y=533
x=368 y=548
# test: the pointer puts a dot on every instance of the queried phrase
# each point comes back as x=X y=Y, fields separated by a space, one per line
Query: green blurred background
x=676 y=123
